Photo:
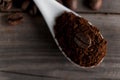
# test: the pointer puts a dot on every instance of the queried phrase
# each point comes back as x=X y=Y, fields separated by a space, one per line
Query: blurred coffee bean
x=33 y=10
x=5 y=5
x=72 y=4
x=25 y=4
x=15 y=18
x=95 y=4
x=30 y=7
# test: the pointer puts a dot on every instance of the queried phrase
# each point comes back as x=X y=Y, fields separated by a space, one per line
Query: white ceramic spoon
x=51 y=9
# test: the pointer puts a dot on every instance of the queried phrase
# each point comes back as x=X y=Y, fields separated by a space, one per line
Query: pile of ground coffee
x=80 y=41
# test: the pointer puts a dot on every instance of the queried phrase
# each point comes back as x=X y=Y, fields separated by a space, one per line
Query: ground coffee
x=80 y=41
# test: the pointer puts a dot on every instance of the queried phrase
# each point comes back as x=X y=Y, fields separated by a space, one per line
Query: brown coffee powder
x=80 y=41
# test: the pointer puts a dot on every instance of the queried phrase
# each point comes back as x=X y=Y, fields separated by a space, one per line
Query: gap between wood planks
x=79 y=12
x=27 y=74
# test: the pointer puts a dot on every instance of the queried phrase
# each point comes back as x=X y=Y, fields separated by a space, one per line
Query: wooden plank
x=109 y=6
x=29 y=48
x=6 y=75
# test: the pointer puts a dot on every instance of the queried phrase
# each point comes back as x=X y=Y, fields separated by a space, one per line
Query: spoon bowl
x=50 y=10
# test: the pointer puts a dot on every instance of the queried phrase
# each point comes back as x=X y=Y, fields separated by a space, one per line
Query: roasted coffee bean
x=30 y=7
x=82 y=40
x=33 y=11
x=25 y=4
x=72 y=4
x=5 y=5
x=95 y=4
x=15 y=18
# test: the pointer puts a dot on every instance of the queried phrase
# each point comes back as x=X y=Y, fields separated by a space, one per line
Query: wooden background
x=28 y=51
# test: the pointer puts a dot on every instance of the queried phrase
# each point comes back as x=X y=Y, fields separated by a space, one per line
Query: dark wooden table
x=28 y=51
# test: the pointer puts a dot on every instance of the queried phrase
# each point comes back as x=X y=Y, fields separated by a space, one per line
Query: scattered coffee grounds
x=80 y=41
x=15 y=18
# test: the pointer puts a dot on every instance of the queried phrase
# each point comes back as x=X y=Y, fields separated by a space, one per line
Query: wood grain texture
x=108 y=6
x=29 y=48
x=28 y=51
